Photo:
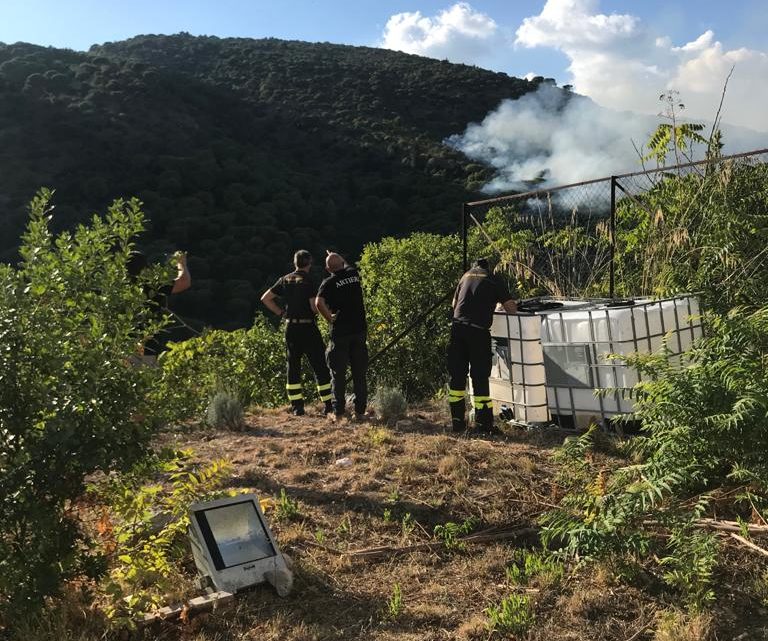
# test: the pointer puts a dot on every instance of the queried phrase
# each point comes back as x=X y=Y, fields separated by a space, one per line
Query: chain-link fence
x=562 y=241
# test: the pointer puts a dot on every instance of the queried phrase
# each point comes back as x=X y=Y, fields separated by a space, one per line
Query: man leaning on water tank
x=469 y=350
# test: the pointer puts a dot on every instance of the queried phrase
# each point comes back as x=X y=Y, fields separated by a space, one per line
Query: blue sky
x=621 y=53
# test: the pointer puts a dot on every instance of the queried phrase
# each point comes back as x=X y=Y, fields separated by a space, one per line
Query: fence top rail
x=647 y=172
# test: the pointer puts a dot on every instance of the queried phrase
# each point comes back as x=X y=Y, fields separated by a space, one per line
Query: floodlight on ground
x=233 y=546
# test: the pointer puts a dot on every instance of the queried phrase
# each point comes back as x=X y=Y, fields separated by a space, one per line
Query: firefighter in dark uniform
x=469 y=350
x=298 y=291
x=340 y=302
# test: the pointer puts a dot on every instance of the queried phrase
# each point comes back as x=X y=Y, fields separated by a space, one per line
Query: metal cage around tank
x=563 y=361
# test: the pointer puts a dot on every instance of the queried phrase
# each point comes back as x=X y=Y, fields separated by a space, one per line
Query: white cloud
x=616 y=60
x=459 y=34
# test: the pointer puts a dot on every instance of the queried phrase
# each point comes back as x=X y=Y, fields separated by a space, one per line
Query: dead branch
x=480 y=537
x=716 y=121
x=749 y=544
x=732 y=526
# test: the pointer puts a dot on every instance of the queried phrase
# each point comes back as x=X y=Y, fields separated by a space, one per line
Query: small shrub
x=532 y=568
x=407 y=525
x=395 y=602
x=390 y=404
x=393 y=496
x=286 y=508
x=690 y=566
x=450 y=532
x=225 y=411
x=378 y=436
x=514 y=615
x=345 y=527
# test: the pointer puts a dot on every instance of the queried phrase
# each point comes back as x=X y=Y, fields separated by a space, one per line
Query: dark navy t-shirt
x=296 y=289
x=476 y=297
x=343 y=294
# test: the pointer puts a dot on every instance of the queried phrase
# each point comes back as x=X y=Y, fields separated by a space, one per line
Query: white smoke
x=549 y=138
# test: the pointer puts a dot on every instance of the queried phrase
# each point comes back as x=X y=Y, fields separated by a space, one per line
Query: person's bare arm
x=313 y=305
x=183 y=279
x=510 y=306
x=323 y=309
x=268 y=298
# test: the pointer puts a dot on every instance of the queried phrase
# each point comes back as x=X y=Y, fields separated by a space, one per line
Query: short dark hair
x=483 y=263
x=302 y=258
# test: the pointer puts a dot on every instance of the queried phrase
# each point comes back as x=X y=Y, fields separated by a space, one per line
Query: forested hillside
x=242 y=150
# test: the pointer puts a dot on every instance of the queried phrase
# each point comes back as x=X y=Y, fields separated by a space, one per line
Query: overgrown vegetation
x=71 y=402
x=143 y=528
x=704 y=434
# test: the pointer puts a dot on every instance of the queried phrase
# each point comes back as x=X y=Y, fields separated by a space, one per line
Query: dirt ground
x=402 y=482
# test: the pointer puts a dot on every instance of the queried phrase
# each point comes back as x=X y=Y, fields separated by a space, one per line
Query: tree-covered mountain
x=242 y=150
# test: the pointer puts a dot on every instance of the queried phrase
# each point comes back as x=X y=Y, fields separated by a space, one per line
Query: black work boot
x=458 y=422
x=484 y=421
x=328 y=408
x=297 y=408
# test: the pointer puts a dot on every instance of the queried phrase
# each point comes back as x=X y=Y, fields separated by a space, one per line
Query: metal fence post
x=612 y=264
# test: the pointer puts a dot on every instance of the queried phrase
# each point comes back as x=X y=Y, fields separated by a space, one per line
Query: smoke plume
x=552 y=137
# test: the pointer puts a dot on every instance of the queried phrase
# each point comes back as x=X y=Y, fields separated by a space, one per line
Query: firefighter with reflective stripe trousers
x=297 y=291
x=469 y=350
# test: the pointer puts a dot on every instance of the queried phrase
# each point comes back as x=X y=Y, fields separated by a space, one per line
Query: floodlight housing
x=233 y=546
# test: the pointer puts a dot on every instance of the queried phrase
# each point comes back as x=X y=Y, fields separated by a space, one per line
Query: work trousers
x=469 y=351
x=353 y=351
x=304 y=339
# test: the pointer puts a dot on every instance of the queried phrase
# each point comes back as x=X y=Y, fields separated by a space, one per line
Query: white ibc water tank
x=568 y=343
x=517 y=377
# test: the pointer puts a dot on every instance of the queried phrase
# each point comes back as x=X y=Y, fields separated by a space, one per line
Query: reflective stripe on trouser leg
x=458 y=408
x=483 y=412
x=325 y=392
x=482 y=402
x=294 y=392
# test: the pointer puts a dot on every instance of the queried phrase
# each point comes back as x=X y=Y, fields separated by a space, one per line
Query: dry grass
x=401 y=484
x=679 y=626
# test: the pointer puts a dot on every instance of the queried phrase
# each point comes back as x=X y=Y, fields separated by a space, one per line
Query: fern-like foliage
x=667 y=136
x=705 y=426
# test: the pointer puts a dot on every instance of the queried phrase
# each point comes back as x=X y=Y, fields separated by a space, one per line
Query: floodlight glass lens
x=239 y=534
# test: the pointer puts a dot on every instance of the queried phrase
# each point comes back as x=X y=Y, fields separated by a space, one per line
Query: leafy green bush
x=390 y=404
x=449 y=533
x=401 y=279
x=225 y=410
x=250 y=363
x=71 y=403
